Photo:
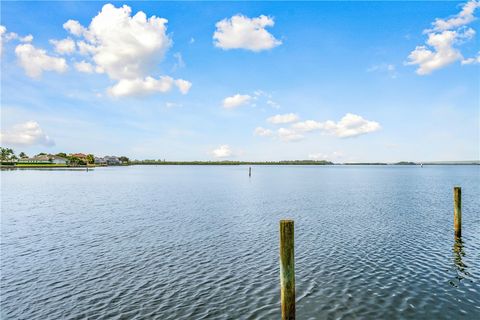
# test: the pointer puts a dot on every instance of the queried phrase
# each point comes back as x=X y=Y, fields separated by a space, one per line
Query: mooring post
x=249 y=171
x=457 y=211
x=287 y=269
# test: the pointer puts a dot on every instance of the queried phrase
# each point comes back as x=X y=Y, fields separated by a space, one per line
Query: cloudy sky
x=343 y=81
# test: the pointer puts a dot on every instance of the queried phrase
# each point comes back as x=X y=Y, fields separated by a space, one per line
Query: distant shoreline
x=238 y=163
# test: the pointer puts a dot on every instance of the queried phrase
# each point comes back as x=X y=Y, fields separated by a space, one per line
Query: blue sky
x=347 y=81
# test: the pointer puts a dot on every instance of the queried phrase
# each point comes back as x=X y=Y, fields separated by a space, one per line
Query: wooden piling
x=457 y=211
x=287 y=269
x=249 y=171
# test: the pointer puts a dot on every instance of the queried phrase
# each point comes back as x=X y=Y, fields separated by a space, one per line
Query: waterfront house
x=100 y=161
x=112 y=160
x=44 y=159
x=80 y=156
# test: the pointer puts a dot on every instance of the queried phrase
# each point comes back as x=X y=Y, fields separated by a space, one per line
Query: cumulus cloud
x=442 y=52
x=443 y=39
x=307 y=126
x=74 y=27
x=241 y=32
x=84 y=66
x=289 y=135
x=183 y=85
x=262 y=132
x=4 y=37
x=350 y=125
x=64 y=46
x=127 y=48
x=26 y=134
x=283 y=118
x=236 y=100
x=463 y=18
x=35 y=61
x=129 y=87
x=3 y=30
x=223 y=151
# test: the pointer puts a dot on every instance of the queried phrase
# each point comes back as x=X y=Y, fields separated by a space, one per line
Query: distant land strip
x=296 y=162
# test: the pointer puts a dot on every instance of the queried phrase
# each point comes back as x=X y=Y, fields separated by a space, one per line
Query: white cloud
x=463 y=18
x=307 y=126
x=350 y=125
x=442 y=53
x=474 y=60
x=26 y=39
x=26 y=134
x=223 y=151
x=84 y=66
x=183 y=85
x=74 y=27
x=241 y=32
x=442 y=42
x=262 y=132
x=64 y=46
x=135 y=87
x=3 y=30
x=4 y=37
x=283 y=118
x=36 y=61
x=127 y=48
x=236 y=101
x=289 y=135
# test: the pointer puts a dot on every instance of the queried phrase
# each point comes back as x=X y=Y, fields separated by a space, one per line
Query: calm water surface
x=201 y=242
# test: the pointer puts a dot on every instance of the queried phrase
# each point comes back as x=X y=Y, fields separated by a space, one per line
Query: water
x=201 y=242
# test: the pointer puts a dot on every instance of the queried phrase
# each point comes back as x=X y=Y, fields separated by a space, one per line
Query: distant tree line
x=231 y=163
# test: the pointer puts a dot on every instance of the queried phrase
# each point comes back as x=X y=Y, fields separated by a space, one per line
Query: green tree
x=22 y=155
x=6 y=153
x=41 y=154
x=73 y=160
x=61 y=154
x=123 y=159
x=90 y=158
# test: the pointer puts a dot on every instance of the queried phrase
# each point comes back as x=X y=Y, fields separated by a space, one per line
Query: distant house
x=79 y=155
x=112 y=160
x=100 y=161
x=44 y=159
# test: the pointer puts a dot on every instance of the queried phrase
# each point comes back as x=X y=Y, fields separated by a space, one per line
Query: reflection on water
x=459 y=266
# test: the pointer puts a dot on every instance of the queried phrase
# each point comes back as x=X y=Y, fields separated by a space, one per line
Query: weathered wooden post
x=287 y=269
x=249 y=171
x=457 y=211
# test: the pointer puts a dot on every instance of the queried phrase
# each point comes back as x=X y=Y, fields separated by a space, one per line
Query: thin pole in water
x=457 y=211
x=287 y=269
x=249 y=171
